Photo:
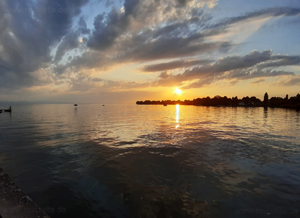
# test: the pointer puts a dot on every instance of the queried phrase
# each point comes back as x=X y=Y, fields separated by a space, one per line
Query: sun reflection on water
x=177 y=115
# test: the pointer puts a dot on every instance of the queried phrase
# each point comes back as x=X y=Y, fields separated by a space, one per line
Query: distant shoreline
x=245 y=106
x=218 y=101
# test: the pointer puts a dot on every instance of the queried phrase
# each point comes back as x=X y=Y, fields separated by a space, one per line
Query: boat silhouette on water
x=6 y=110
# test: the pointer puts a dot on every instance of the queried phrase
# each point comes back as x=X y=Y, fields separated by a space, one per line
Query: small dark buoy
x=103 y=105
x=75 y=105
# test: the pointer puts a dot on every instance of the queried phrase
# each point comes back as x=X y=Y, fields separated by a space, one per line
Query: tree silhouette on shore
x=292 y=102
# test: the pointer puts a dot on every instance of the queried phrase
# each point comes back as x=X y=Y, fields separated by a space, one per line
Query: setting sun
x=178 y=91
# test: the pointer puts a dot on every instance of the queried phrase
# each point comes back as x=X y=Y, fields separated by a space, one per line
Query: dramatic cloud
x=231 y=67
x=293 y=80
x=270 y=12
x=28 y=30
x=177 y=39
x=174 y=65
x=281 y=60
x=120 y=35
x=134 y=15
x=71 y=40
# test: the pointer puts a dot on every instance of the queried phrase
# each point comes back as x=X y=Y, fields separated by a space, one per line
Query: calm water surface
x=154 y=161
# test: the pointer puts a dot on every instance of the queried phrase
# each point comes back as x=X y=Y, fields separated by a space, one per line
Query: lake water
x=154 y=161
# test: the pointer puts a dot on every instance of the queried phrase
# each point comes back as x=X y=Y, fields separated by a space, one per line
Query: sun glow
x=178 y=91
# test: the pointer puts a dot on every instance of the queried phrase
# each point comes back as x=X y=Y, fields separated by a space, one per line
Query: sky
x=115 y=51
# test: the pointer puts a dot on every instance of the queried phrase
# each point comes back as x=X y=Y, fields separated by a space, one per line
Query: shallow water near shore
x=154 y=161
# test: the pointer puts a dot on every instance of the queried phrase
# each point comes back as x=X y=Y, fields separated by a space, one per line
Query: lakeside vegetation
x=292 y=102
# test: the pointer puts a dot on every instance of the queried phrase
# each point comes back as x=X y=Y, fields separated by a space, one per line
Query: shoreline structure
x=292 y=102
x=14 y=203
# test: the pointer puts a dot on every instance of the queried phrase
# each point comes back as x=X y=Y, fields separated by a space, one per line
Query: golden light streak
x=177 y=115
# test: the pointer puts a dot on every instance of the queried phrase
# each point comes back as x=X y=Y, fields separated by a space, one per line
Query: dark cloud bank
x=253 y=65
x=27 y=33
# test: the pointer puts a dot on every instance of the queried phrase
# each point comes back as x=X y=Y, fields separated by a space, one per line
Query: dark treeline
x=292 y=102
